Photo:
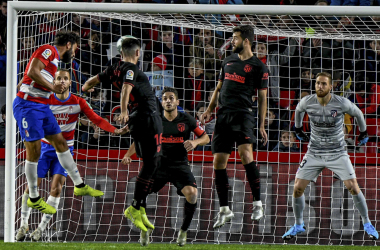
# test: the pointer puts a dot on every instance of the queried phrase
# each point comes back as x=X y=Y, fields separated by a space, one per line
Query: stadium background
x=105 y=224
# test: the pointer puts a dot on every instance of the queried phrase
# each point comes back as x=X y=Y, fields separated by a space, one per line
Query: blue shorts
x=49 y=162
x=35 y=120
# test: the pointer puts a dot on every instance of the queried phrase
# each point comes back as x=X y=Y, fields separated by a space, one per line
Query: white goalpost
x=297 y=39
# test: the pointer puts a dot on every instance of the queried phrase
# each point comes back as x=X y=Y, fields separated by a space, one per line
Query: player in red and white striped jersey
x=36 y=121
x=66 y=109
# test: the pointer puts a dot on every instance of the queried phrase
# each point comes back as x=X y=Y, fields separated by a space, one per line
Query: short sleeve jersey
x=175 y=133
x=142 y=98
x=33 y=91
x=240 y=80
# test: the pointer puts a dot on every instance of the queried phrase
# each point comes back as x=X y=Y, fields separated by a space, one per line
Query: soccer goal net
x=183 y=47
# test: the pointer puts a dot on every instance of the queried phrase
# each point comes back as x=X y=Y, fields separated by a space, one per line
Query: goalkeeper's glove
x=301 y=135
x=363 y=138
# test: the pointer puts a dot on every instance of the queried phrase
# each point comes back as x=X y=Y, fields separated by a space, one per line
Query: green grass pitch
x=132 y=246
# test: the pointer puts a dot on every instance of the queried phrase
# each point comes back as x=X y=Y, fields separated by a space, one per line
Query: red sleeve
x=199 y=132
x=45 y=54
x=100 y=122
x=372 y=108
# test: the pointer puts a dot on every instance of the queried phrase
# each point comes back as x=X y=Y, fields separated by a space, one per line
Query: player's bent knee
x=191 y=194
x=298 y=191
x=56 y=191
x=58 y=142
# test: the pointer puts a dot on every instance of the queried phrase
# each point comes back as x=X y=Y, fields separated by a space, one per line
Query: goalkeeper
x=66 y=109
x=327 y=149
x=174 y=167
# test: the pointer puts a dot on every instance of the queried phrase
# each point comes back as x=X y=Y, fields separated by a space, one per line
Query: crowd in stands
x=190 y=60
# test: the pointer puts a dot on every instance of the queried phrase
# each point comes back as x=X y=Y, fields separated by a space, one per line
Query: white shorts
x=312 y=165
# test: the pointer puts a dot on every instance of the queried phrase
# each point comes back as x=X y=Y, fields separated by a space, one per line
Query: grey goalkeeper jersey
x=326 y=122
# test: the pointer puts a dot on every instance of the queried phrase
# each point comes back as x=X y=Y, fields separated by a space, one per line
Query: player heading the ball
x=36 y=121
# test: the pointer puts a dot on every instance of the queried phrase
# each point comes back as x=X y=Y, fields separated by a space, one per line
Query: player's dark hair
x=65 y=70
x=246 y=31
x=325 y=74
x=3 y=110
x=170 y=89
x=63 y=37
x=129 y=46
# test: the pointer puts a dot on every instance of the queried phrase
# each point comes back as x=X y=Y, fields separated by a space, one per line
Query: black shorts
x=146 y=132
x=232 y=127
x=180 y=175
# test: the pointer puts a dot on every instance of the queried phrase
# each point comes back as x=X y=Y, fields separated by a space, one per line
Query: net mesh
x=295 y=49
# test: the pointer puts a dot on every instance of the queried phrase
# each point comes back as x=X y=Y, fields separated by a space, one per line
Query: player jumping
x=174 y=166
x=241 y=74
x=327 y=149
x=66 y=108
x=145 y=123
x=36 y=121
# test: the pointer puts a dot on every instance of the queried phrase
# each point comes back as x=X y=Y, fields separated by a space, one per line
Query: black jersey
x=142 y=98
x=175 y=133
x=240 y=80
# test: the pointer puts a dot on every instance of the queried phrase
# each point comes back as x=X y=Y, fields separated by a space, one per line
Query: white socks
x=67 y=162
x=32 y=178
x=54 y=202
x=257 y=203
x=224 y=209
x=25 y=210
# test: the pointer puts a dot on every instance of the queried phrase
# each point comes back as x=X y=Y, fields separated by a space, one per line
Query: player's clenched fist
x=126 y=160
x=123 y=118
x=205 y=117
x=189 y=145
x=58 y=88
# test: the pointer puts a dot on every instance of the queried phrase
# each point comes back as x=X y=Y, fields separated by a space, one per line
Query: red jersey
x=31 y=90
x=67 y=112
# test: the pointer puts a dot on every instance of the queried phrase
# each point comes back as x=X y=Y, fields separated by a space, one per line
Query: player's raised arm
x=34 y=73
x=127 y=157
x=90 y=83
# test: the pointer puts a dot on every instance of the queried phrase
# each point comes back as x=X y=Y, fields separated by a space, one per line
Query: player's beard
x=322 y=94
x=66 y=58
x=238 y=48
x=171 y=109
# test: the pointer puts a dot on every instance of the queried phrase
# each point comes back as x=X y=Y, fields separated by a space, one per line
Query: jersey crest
x=334 y=113
x=247 y=68
x=181 y=127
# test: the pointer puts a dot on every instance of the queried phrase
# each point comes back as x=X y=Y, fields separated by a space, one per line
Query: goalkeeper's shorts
x=312 y=165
